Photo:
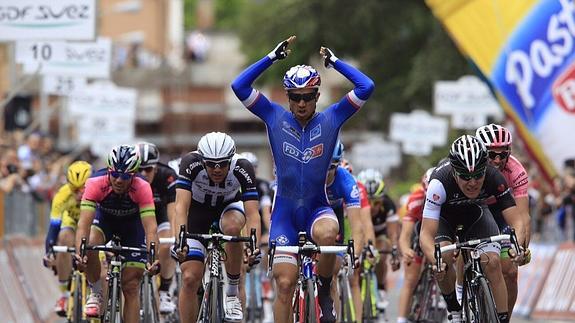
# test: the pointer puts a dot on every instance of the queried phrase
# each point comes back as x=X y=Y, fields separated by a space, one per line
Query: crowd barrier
x=22 y=214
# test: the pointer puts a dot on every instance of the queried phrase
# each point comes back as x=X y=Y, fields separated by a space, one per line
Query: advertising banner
x=81 y=59
x=525 y=48
x=47 y=20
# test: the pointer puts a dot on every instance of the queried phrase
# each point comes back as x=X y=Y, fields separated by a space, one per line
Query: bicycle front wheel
x=216 y=301
x=114 y=308
x=485 y=302
x=311 y=306
x=77 y=300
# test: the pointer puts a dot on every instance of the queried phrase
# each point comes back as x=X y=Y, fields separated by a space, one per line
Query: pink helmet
x=494 y=135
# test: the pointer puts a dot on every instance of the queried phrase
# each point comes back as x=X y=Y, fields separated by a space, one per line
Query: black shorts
x=477 y=223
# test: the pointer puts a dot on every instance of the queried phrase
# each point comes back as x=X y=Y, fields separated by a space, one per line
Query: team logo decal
x=287 y=128
x=315 y=133
x=282 y=240
x=303 y=156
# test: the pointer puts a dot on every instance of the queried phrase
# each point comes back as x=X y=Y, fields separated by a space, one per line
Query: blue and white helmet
x=124 y=159
x=301 y=77
x=337 y=152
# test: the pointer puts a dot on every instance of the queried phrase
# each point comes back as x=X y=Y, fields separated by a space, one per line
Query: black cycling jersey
x=239 y=183
x=386 y=213
x=445 y=199
x=164 y=190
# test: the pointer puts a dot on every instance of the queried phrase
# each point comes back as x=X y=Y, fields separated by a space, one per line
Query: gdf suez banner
x=526 y=50
x=47 y=20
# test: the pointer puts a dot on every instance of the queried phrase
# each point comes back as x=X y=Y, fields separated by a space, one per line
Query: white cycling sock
x=401 y=320
x=233 y=285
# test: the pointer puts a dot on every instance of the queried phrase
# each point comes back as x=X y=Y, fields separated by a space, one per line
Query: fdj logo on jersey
x=303 y=156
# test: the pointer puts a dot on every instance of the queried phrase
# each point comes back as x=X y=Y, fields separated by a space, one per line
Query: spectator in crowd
x=30 y=151
x=197 y=46
x=12 y=174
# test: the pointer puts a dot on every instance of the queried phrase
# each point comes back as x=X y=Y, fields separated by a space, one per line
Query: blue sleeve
x=52 y=236
x=251 y=98
x=351 y=195
x=356 y=98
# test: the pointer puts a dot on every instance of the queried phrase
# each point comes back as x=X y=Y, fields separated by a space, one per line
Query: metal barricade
x=23 y=214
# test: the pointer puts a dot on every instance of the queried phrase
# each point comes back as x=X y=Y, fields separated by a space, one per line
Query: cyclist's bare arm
x=151 y=229
x=84 y=223
x=427 y=238
x=404 y=242
x=368 y=231
x=253 y=221
x=393 y=231
x=171 y=208
x=514 y=218
x=355 y=222
x=523 y=206
x=183 y=201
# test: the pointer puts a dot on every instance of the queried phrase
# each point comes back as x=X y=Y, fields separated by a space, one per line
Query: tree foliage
x=399 y=44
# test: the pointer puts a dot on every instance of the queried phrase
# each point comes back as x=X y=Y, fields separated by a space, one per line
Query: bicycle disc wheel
x=312 y=311
x=486 y=304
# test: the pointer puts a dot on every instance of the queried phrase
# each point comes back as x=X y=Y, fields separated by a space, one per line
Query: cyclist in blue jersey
x=344 y=197
x=302 y=141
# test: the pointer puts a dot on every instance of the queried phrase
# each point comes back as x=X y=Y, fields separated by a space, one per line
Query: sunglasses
x=502 y=155
x=124 y=176
x=217 y=164
x=146 y=169
x=470 y=176
x=307 y=97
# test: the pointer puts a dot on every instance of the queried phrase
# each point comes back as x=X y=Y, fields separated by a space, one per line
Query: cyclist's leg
x=284 y=232
x=231 y=223
x=509 y=268
x=412 y=271
x=483 y=227
x=167 y=264
x=199 y=221
x=66 y=237
x=324 y=228
x=381 y=268
x=98 y=234
x=446 y=235
x=131 y=234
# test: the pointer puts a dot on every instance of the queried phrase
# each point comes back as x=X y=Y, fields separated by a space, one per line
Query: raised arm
x=364 y=86
x=242 y=85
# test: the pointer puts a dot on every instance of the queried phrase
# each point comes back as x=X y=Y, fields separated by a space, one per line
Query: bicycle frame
x=212 y=303
x=473 y=277
x=306 y=307
x=78 y=287
x=114 y=275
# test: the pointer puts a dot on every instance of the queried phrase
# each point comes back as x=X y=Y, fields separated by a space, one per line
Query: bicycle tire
x=216 y=302
x=419 y=298
x=77 y=300
x=368 y=309
x=486 y=304
x=312 y=312
x=114 y=301
x=346 y=301
x=253 y=305
x=146 y=299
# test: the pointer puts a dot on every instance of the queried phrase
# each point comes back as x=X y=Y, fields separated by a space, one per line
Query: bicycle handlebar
x=183 y=235
x=63 y=249
x=471 y=243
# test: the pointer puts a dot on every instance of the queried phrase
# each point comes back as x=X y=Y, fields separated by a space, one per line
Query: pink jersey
x=99 y=194
x=516 y=177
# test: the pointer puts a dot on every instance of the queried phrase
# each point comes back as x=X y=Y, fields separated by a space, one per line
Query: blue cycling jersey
x=343 y=189
x=301 y=154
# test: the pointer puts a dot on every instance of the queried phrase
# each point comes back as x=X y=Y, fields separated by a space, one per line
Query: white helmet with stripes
x=216 y=146
x=494 y=135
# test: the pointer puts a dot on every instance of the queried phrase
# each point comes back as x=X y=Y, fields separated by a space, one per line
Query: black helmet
x=468 y=154
x=149 y=154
